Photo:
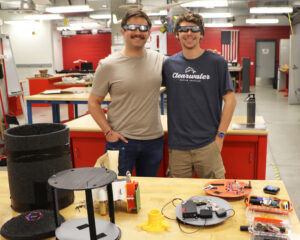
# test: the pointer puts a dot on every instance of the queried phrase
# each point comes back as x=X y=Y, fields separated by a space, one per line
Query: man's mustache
x=138 y=36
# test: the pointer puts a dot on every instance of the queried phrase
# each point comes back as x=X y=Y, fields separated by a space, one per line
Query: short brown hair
x=135 y=12
x=189 y=17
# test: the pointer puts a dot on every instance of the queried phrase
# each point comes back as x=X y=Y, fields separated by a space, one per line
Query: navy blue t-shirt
x=194 y=89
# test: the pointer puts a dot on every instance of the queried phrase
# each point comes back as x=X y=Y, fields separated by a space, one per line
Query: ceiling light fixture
x=10 y=2
x=85 y=24
x=100 y=16
x=68 y=28
x=262 y=20
x=160 y=13
x=41 y=2
x=156 y=22
x=216 y=15
x=69 y=9
x=218 y=25
x=268 y=10
x=43 y=17
x=22 y=23
x=206 y=4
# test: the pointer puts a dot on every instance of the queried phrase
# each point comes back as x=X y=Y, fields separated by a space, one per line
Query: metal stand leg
x=162 y=104
x=55 y=207
x=55 y=113
x=76 y=110
x=110 y=203
x=29 y=112
x=91 y=216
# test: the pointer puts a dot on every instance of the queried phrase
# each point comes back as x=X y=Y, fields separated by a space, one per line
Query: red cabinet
x=86 y=149
x=244 y=156
x=244 y=153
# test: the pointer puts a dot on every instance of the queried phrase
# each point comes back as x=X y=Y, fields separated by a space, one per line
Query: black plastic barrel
x=36 y=152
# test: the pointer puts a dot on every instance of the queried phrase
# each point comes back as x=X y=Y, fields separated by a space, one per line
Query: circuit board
x=228 y=188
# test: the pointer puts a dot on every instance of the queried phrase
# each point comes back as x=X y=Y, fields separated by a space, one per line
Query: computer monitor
x=86 y=66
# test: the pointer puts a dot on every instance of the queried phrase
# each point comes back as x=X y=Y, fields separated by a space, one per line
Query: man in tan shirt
x=133 y=79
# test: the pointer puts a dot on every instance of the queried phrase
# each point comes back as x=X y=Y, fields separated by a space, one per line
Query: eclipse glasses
x=192 y=28
x=133 y=27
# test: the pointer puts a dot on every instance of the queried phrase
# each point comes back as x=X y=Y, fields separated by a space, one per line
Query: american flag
x=230 y=42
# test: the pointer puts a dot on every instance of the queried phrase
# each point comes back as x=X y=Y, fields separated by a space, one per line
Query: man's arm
x=94 y=105
x=228 y=109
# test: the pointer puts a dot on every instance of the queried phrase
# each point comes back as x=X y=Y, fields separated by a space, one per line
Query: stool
x=85 y=179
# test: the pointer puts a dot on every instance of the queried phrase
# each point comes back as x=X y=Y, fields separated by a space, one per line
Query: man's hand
x=214 y=51
x=219 y=142
x=113 y=136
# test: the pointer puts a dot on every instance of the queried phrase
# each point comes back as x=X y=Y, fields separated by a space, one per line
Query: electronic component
x=271 y=189
x=221 y=212
x=269 y=204
x=228 y=188
x=189 y=209
x=249 y=185
x=205 y=213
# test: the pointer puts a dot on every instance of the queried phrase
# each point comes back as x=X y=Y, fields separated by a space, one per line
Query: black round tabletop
x=82 y=178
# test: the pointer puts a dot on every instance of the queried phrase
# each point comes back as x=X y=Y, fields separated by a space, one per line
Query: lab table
x=154 y=194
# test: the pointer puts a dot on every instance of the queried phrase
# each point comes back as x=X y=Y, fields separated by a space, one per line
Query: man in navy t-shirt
x=197 y=83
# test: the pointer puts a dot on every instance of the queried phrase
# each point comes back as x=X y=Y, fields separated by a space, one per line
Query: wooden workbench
x=155 y=193
x=40 y=84
x=73 y=83
x=80 y=125
x=244 y=152
x=80 y=95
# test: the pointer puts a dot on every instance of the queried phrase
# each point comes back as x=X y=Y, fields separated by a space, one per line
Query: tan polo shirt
x=133 y=84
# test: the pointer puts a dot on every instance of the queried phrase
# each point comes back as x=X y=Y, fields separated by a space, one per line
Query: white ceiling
x=15 y=9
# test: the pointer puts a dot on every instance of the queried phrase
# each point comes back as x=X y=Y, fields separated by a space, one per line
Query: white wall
x=284 y=59
x=152 y=42
x=32 y=47
x=57 y=49
x=294 y=72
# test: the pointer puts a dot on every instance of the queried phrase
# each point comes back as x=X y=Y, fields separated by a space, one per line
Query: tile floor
x=283 y=123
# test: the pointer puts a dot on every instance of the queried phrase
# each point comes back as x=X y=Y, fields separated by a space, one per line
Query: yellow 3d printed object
x=156 y=222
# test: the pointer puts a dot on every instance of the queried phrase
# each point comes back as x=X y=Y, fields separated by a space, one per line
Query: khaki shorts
x=205 y=161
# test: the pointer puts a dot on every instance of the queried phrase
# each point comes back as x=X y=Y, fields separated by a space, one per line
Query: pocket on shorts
x=220 y=173
x=216 y=147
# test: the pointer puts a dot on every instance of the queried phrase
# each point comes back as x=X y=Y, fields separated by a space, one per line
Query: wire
x=291 y=26
x=232 y=211
x=193 y=231
x=179 y=222
x=172 y=201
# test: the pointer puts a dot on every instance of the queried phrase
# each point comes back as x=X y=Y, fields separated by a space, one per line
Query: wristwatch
x=221 y=134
